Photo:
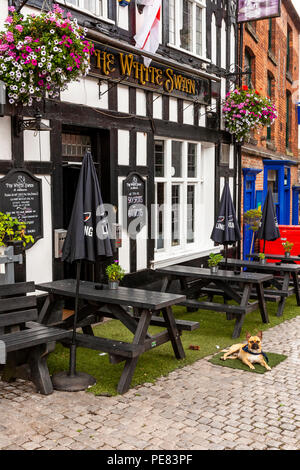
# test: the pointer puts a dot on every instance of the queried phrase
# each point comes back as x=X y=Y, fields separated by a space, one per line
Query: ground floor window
x=177 y=191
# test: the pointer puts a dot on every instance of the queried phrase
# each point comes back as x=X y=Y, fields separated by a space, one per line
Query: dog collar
x=246 y=349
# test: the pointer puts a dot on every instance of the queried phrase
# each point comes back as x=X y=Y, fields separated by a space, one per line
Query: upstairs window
x=187 y=25
x=288 y=121
x=250 y=68
x=270 y=85
x=95 y=7
x=271 y=35
x=289 y=40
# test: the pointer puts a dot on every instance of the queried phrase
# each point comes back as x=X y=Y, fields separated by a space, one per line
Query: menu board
x=21 y=197
x=134 y=190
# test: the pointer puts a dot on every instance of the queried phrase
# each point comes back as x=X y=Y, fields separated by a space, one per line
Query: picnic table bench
x=281 y=286
x=145 y=305
x=226 y=282
x=25 y=340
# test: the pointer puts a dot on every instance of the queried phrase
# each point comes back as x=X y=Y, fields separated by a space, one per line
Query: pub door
x=74 y=146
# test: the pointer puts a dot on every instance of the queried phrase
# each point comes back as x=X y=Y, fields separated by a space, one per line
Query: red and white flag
x=148 y=32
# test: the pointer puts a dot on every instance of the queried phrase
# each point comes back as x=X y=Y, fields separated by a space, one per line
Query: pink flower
x=9 y=36
x=19 y=28
x=11 y=9
x=3 y=47
x=34 y=62
x=9 y=20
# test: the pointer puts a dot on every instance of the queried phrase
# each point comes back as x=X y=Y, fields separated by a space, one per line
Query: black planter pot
x=20 y=269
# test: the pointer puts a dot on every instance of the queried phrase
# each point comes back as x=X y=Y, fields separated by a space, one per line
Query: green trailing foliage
x=12 y=230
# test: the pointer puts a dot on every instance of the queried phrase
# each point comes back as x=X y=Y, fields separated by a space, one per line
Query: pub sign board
x=21 y=197
x=109 y=63
x=134 y=193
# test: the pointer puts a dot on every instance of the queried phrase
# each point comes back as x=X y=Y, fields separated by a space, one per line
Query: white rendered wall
x=188 y=113
x=5 y=138
x=122 y=17
x=141 y=108
x=157 y=106
x=37 y=145
x=124 y=252
x=141 y=149
x=173 y=109
x=123 y=147
x=207 y=199
x=86 y=92
x=123 y=99
x=3 y=12
x=39 y=257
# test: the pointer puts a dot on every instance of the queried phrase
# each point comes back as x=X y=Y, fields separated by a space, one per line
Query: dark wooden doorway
x=75 y=142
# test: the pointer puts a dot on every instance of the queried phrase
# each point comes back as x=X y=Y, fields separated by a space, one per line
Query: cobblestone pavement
x=201 y=406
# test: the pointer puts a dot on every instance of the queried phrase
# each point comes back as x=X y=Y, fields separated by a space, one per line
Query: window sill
x=289 y=77
x=185 y=51
x=252 y=32
x=271 y=145
x=271 y=57
x=85 y=12
x=165 y=259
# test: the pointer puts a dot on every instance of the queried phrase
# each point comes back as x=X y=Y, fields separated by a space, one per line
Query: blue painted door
x=249 y=203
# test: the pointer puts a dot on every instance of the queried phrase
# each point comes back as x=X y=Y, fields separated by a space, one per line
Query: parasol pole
x=72 y=365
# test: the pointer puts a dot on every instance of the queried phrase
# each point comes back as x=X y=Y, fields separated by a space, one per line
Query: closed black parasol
x=226 y=230
x=87 y=239
x=268 y=229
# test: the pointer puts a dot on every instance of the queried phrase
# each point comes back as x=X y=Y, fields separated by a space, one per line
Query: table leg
x=285 y=287
x=165 y=284
x=240 y=318
x=296 y=287
x=130 y=364
x=173 y=333
x=262 y=303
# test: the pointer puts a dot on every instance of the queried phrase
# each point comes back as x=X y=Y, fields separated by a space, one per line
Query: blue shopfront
x=277 y=176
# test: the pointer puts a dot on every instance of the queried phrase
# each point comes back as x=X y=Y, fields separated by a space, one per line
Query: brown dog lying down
x=249 y=353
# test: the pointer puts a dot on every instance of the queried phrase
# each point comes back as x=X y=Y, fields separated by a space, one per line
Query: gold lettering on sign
x=166 y=78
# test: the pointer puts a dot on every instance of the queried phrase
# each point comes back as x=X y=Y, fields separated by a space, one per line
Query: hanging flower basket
x=246 y=110
x=41 y=54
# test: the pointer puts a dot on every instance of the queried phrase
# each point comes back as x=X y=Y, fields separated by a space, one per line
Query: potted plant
x=262 y=258
x=252 y=218
x=115 y=274
x=287 y=248
x=41 y=54
x=13 y=231
x=213 y=261
x=246 y=110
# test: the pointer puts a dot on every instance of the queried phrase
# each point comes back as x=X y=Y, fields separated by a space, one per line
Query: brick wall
x=274 y=63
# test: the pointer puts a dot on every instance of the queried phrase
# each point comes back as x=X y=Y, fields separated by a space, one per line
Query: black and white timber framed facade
x=174 y=139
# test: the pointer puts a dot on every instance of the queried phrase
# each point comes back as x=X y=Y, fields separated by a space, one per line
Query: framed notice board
x=21 y=197
x=134 y=192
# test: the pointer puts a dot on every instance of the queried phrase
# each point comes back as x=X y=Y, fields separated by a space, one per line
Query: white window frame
x=176 y=45
x=81 y=9
x=169 y=251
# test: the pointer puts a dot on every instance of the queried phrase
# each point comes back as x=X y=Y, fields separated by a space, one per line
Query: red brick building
x=270 y=158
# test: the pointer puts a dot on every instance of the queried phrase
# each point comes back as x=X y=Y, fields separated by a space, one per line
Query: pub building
x=160 y=126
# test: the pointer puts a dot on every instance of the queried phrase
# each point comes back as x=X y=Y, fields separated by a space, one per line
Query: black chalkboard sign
x=21 y=197
x=134 y=190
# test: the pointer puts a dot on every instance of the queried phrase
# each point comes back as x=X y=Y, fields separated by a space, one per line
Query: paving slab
x=201 y=406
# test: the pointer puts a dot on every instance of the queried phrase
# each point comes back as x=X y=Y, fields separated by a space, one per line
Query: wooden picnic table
x=281 y=286
x=282 y=258
x=114 y=303
x=226 y=281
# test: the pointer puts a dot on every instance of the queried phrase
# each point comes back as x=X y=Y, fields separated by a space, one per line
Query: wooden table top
x=276 y=257
x=139 y=298
x=203 y=273
x=262 y=267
